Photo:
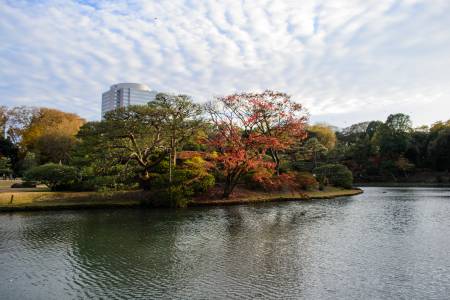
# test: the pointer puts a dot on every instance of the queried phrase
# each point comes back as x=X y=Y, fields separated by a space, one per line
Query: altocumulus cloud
x=346 y=60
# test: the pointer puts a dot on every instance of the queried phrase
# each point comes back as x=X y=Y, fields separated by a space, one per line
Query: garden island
x=172 y=152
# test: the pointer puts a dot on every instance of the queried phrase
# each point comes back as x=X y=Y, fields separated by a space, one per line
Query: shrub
x=265 y=179
x=55 y=176
x=335 y=174
x=25 y=184
x=204 y=184
x=306 y=181
x=186 y=183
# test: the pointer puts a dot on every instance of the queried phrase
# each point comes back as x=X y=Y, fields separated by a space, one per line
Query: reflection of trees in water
x=399 y=211
x=47 y=230
x=391 y=220
x=268 y=244
x=176 y=253
x=126 y=252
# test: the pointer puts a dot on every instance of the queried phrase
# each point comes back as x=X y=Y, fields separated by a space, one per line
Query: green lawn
x=23 y=200
x=12 y=199
x=7 y=183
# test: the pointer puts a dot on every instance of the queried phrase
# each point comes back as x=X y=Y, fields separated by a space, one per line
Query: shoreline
x=312 y=195
x=48 y=201
x=402 y=184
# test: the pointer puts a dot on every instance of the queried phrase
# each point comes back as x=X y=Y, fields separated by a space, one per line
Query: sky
x=346 y=61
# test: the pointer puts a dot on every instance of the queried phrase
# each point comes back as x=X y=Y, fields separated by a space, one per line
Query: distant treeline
x=393 y=150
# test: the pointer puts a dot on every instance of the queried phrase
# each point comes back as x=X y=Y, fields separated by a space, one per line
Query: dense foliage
x=55 y=176
x=177 y=149
x=335 y=174
x=394 y=151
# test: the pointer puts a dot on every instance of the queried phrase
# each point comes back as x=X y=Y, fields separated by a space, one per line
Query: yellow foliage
x=324 y=134
x=49 y=121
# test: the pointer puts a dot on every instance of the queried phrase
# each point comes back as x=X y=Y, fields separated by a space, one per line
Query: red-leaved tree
x=250 y=127
x=271 y=114
x=239 y=150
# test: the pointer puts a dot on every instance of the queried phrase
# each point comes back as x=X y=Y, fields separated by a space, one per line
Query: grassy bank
x=403 y=184
x=328 y=193
x=32 y=200
x=22 y=201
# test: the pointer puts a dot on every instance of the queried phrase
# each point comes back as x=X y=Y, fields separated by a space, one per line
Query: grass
x=5 y=186
x=7 y=183
x=12 y=200
x=62 y=200
x=332 y=192
x=256 y=197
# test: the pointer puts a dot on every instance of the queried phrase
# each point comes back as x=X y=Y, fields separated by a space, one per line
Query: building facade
x=124 y=94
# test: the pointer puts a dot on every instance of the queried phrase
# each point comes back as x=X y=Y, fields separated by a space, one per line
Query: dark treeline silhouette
x=394 y=151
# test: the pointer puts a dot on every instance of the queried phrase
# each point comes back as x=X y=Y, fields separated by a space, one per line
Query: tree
x=352 y=133
x=439 y=150
x=101 y=167
x=314 y=148
x=240 y=149
x=324 y=134
x=399 y=123
x=182 y=119
x=271 y=114
x=3 y=120
x=18 y=119
x=55 y=176
x=438 y=126
x=133 y=136
x=417 y=151
x=28 y=162
x=372 y=128
x=5 y=166
x=10 y=151
x=51 y=134
x=336 y=174
x=404 y=165
x=393 y=136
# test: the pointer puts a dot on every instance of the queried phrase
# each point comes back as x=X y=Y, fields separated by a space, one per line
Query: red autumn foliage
x=272 y=114
x=270 y=183
x=248 y=128
x=306 y=181
x=238 y=153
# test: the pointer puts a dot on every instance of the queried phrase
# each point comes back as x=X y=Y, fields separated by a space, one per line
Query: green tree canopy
x=182 y=119
x=55 y=176
x=5 y=165
x=440 y=150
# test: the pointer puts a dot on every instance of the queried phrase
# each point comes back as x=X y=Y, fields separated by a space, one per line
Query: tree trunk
x=173 y=152
x=226 y=191
x=276 y=160
x=228 y=188
x=174 y=157
x=315 y=159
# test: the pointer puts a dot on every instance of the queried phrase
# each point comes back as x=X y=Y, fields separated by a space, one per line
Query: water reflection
x=387 y=243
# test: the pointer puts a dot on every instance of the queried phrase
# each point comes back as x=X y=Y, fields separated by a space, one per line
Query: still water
x=387 y=243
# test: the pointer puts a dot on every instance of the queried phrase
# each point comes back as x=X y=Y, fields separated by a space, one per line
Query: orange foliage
x=49 y=121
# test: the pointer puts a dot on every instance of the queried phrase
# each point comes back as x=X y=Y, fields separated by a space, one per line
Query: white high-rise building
x=124 y=94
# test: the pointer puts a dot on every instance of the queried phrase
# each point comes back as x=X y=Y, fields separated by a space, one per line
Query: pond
x=386 y=243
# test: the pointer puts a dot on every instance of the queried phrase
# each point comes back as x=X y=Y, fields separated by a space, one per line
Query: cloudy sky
x=345 y=60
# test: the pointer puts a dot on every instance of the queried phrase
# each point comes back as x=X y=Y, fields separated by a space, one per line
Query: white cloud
x=346 y=60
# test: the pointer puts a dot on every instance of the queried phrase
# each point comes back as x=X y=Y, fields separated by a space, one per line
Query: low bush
x=25 y=184
x=335 y=174
x=306 y=181
x=56 y=177
x=265 y=179
x=99 y=183
x=186 y=183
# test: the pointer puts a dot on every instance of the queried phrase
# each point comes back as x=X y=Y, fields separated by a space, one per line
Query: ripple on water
x=386 y=243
